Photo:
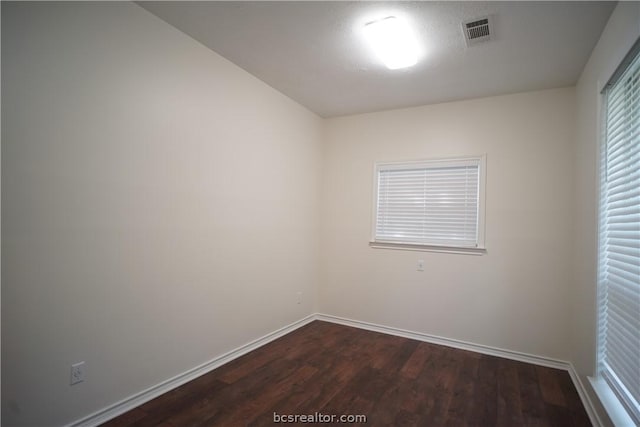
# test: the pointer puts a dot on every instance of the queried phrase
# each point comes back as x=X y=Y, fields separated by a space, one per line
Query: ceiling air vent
x=477 y=30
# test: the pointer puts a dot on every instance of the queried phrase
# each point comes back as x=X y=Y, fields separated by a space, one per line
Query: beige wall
x=516 y=296
x=160 y=206
x=622 y=30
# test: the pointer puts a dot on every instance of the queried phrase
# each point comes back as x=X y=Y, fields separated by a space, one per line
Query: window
x=430 y=205
x=619 y=240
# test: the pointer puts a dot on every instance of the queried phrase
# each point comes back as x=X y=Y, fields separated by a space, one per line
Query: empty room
x=320 y=212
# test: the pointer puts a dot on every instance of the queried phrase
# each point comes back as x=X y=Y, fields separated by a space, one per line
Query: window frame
x=478 y=249
x=616 y=406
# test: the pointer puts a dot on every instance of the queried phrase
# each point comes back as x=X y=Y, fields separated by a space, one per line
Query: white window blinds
x=432 y=203
x=619 y=253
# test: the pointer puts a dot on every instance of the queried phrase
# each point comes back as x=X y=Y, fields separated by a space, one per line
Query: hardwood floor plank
x=558 y=415
x=549 y=386
x=276 y=349
x=383 y=350
x=404 y=350
x=367 y=386
x=128 y=419
x=413 y=366
x=387 y=413
x=185 y=393
x=249 y=410
x=405 y=419
x=444 y=376
x=208 y=406
x=533 y=406
x=315 y=386
x=338 y=370
x=462 y=400
x=485 y=399
x=422 y=396
x=334 y=384
x=509 y=403
x=162 y=409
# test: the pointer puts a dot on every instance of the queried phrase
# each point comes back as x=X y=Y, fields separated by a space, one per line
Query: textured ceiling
x=313 y=51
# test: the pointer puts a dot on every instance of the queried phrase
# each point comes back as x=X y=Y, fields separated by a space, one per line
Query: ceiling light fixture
x=393 y=42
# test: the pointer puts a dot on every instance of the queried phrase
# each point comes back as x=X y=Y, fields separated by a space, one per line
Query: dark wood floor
x=334 y=369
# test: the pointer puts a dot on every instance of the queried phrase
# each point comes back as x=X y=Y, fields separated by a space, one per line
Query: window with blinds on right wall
x=619 y=239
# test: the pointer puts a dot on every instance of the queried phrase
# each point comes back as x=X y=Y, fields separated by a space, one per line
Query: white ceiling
x=313 y=52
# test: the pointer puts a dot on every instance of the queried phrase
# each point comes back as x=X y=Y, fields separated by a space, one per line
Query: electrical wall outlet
x=78 y=371
x=420 y=266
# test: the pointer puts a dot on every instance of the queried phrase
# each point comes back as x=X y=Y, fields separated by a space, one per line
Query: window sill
x=618 y=414
x=426 y=248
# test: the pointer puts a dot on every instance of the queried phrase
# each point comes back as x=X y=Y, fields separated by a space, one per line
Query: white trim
x=425 y=163
x=592 y=412
x=425 y=248
x=615 y=410
x=449 y=342
x=144 y=396
x=482 y=203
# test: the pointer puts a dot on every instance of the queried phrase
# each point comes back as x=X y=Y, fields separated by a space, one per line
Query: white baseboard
x=584 y=397
x=483 y=349
x=144 y=396
x=449 y=342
